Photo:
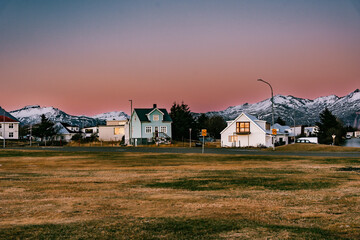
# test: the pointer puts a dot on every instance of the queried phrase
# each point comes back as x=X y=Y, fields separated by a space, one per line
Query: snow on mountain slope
x=116 y=115
x=304 y=111
x=32 y=115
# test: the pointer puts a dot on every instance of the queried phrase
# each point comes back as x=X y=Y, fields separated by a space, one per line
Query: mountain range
x=304 y=111
x=32 y=115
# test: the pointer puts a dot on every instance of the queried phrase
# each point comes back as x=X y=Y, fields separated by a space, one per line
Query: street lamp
x=272 y=103
x=190 y=135
x=130 y=130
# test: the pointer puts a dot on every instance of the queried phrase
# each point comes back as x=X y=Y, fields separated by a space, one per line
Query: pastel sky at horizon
x=90 y=57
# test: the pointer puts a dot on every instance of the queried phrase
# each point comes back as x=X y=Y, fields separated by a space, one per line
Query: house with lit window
x=114 y=130
x=248 y=131
x=9 y=125
x=148 y=125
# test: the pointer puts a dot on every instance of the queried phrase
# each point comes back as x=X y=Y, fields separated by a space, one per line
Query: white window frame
x=156 y=117
x=148 y=129
x=11 y=125
x=162 y=128
x=11 y=134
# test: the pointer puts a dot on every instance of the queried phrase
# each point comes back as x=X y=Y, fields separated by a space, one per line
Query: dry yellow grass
x=83 y=188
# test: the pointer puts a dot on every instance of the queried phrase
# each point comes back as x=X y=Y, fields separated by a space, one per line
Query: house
x=9 y=125
x=357 y=134
x=65 y=131
x=282 y=134
x=248 y=131
x=149 y=125
x=90 y=131
x=311 y=131
x=114 y=130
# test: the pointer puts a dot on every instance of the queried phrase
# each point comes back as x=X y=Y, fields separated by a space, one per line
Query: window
x=156 y=117
x=11 y=125
x=148 y=129
x=163 y=129
x=11 y=134
x=232 y=138
x=243 y=127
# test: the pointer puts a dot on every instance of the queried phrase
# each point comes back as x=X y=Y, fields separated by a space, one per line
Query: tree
x=45 y=129
x=280 y=121
x=182 y=121
x=329 y=125
x=215 y=125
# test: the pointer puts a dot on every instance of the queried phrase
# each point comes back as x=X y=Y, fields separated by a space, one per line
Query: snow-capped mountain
x=305 y=111
x=116 y=115
x=32 y=115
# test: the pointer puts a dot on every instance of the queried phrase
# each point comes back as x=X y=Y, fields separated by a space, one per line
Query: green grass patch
x=271 y=183
x=160 y=228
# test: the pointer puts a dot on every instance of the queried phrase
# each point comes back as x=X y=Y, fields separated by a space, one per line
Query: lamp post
x=272 y=104
x=190 y=135
x=130 y=124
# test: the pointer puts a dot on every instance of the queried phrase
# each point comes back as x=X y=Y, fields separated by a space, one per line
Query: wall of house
x=111 y=133
x=135 y=126
x=7 y=130
x=256 y=137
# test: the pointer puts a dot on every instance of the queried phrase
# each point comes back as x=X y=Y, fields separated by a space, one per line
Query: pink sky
x=92 y=58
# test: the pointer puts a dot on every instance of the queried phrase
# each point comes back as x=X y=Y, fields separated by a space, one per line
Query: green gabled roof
x=141 y=112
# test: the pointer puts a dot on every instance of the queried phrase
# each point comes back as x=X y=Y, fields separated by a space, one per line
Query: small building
x=65 y=131
x=357 y=134
x=9 y=125
x=90 y=131
x=149 y=125
x=311 y=131
x=248 y=131
x=114 y=130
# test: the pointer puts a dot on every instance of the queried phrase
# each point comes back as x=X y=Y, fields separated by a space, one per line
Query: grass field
x=53 y=195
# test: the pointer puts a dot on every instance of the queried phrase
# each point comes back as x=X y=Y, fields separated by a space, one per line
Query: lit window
x=156 y=117
x=163 y=129
x=233 y=138
x=11 y=134
x=243 y=127
x=148 y=129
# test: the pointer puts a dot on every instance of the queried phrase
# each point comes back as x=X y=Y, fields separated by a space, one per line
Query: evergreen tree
x=215 y=125
x=280 y=121
x=182 y=121
x=329 y=125
x=45 y=129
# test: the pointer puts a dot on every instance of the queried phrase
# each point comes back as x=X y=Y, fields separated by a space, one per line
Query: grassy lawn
x=61 y=195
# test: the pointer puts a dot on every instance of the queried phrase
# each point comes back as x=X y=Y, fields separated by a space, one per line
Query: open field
x=315 y=147
x=99 y=195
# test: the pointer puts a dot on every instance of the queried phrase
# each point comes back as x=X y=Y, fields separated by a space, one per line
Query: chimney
x=154 y=106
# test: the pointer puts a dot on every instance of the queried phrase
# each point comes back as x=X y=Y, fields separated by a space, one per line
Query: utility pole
x=4 y=129
x=130 y=122
x=272 y=106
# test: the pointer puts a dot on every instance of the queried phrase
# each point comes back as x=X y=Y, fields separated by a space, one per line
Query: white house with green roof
x=148 y=125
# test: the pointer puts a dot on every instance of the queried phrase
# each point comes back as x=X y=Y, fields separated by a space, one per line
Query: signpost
x=273 y=134
x=203 y=134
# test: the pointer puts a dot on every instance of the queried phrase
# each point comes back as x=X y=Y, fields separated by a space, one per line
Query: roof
x=142 y=114
x=8 y=116
x=251 y=118
x=281 y=128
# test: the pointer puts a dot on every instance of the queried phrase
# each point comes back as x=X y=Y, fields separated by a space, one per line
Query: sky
x=88 y=57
